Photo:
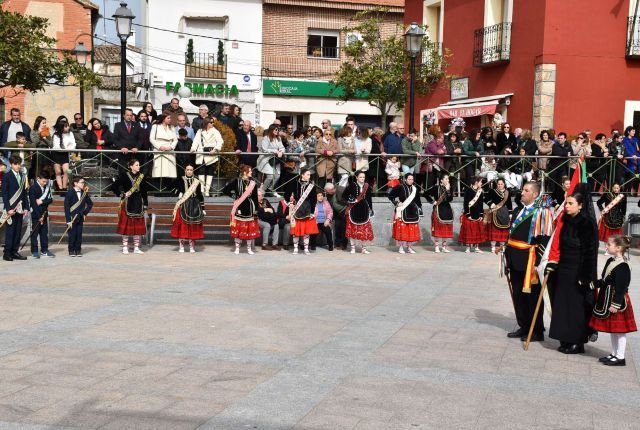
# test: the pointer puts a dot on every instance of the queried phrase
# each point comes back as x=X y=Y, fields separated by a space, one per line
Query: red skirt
x=620 y=322
x=440 y=230
x=182 y=230
x=130 y=226
x=605 y=232
x=362 y=232
x=471 y=232
x=393 y=183
x=246 y=230
x=304 y=227
x=496 y=234
x=406 y=232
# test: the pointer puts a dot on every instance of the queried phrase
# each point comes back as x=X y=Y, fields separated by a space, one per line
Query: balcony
x=633 y=38
x=205 y=66
x=492 y=45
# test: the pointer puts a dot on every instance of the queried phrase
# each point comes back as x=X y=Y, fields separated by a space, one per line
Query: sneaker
x=478 y=250
x=411 y=250
x=47 y=254
x=445 y=249
x=295 y=251
x=468 y=250
x=181 y=250
x=72 y=254
x=192 y=250
x=138 y=251
x=78 y=254
x=237 y=251
x=306 y=252
x=353 y=250
x=250 y=251
x=437 y=250
x=125 y=250
x=493 y=249
x=35 y=254
x=365 y=251
x=401 y=250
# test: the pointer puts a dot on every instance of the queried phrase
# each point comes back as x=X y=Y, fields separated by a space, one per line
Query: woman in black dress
x=573 y=298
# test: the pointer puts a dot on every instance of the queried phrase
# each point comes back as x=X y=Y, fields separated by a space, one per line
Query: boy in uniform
x=77 y=205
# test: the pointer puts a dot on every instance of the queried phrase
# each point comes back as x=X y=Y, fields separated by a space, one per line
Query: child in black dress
x=613 y=312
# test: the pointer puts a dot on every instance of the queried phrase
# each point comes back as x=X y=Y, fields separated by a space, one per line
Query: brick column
x=544 y=94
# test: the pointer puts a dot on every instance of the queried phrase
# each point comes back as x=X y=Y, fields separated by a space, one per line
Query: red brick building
x=570 y=64
x=70 y=22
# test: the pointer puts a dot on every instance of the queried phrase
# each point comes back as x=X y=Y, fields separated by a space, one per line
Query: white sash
x=402 y=206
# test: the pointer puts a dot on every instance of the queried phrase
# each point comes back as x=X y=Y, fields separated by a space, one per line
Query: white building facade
x=213 y=47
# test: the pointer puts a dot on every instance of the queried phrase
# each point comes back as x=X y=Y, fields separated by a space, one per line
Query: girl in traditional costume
x=442 y=214
x=359 y=213
x=498 y=217
x=613 y=209
x=613 y=312
x=132 y=187
x=244 y=213
x=472 y=220
x=188 y=213
x=408 y=211
x=301 y=196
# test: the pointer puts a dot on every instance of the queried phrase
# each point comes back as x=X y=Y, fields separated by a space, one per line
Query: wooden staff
x=535 y=313
x=68 y=227
x=503 y=262
x=36 y=229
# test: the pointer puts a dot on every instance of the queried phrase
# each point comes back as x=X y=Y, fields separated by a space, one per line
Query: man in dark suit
x=77 y=205
x=9 y=128
x=16 y=205
x=40 y=197
x=247 y=141
x=127 y=138
x=524 y=250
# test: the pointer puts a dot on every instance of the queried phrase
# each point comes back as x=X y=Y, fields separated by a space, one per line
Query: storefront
x=309 y=102
x=478 y=112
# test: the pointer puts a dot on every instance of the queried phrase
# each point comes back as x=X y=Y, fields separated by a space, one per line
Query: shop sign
x=466 y=112
x=281 y=87
x=459 y=88
x=204 y=89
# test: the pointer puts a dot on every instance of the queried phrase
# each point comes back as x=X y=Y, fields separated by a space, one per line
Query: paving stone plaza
x=276 y=341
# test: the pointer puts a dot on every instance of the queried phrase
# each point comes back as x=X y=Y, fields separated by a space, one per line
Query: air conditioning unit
x=352 y=38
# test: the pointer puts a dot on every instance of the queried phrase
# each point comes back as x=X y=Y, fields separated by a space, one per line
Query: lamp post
x=413 y=43
x=81 y=53
x=124 y=18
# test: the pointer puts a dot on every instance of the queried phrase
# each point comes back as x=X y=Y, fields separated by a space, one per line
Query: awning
x=467 y=110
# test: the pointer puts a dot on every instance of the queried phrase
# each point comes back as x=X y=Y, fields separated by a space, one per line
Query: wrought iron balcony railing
x=205 y=66
x=633 y=37
x=492 y=45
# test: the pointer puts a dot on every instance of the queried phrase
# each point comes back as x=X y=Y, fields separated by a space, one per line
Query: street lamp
x=81 y=53
x=124 y=18
x=413 y=43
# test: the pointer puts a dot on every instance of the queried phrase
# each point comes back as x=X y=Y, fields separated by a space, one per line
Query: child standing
x=392 y=169
x=613 y=312
x=40 y=196
x=77 y=205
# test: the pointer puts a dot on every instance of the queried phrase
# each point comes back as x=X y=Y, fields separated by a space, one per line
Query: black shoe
x=535 y=337
x=605 y=359
x=615 y=361
x=17 y=256
x=517 y=333
x=7 y=257
x=575 y=348
x=72 y=253
x=330 y=248
x=78 y=253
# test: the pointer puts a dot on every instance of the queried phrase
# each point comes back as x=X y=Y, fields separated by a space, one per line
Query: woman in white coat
x=269 y=165
x=207 y=139
x=362 y=145
x=163 y=138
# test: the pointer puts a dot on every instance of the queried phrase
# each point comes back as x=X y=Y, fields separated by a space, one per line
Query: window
x=433 y=18
x=323 y=44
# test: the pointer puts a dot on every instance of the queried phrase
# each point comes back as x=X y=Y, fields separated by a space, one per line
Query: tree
x=189 y=52
x=30 y=60
x=378 y=67
x=220 y=53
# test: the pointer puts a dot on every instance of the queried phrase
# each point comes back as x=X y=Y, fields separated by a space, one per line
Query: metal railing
x=429 y=55
x=100 y=167
x=633 y=37
x=205 y=66
x=492 y=44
